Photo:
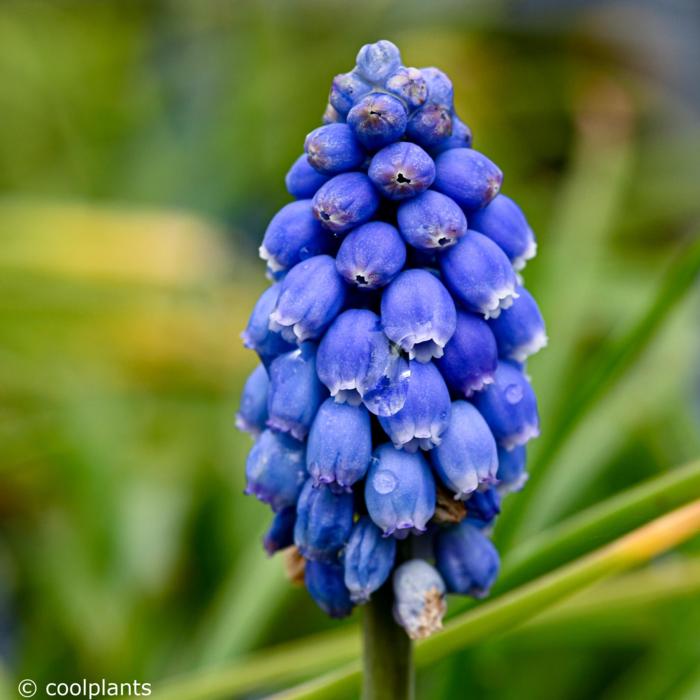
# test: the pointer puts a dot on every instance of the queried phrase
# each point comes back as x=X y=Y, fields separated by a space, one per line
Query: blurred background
x=143 y=147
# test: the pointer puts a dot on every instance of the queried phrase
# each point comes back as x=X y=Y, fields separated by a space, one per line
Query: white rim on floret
x=346 y=392
x=246 y=426
x=524 y=350
x=423 y=344
x=413 y=437
x=523 y=436
x=273 y=264
x=517 y=485
x=472 y=478
x=528 y=254
x=478 y=385
x=292 y=331
x=500 y=301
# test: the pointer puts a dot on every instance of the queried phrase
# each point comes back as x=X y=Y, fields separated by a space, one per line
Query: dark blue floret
x=252 y=414
x=324 y=581
x=340 y=445
x=302 y=180
x=310 y=297
x=519 y=330
x=358 y=364
x=466 y=457
x=333 y=149
x=430 y=126
x=399 y=492
x=345 y=201
x=346 y=90
x=275 y=470
x=418 y=314
x=410 y=85
x=440 y=91
x=509 y=407
x=505 y=224
x=425 y=415
x=470 y=357
x=402 y=170
x=295 y=392
x=368 y=560
x=371 y=255
x=378 y=119
x=484 y=506
x=258 y=336
x=511 y=469
x=293 y=235
x=431 y=221
x=281 y=532
x=468 y=177
x=479 y=275
x=467 y=559
x=324 y=522
x=376 y=61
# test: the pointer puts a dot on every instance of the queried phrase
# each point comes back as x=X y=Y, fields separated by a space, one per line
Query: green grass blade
x=604 y=374
x=594 y=526
x=524 y=603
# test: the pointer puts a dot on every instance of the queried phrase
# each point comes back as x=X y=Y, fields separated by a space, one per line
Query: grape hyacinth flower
x=390 y=408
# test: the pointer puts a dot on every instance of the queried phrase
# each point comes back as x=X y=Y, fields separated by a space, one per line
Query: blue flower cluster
x=391 y=407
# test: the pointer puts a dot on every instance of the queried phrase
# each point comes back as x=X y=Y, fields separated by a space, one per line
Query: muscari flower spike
x=391 y=401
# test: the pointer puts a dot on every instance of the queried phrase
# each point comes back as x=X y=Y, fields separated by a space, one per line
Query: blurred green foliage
x=142 y=151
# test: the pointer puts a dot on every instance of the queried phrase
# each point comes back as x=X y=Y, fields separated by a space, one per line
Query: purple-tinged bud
x=333 y=149
x=466 y=457
x=479 y=275
x=331 y=116
x=345 y=201
x=426 y=413
x=275 y=470
x=399 y=492
x=461 y=137
x=295 y=392
x=511 y=469
x=377 y=120
x=324 y=581
x=311 y=295
x=371 y=255
x=483 y=507
x=402 y=170
x=357 y=363
x=430 y=126
x=509 y=407
x=346 y=90
x=408 y=84
x=470 y=357
x=467 y=559
x=467 y=176
x=519 y=330
x=324 y=522
x=368 y=560
x=505 y=224
x=258 y=336
x=440 y=90
x=431 y=220
x=252 y=414
x=302 y=180
x=280 y=535
x=340 y=445
x=418 y=314
x=376 y=61
x=293 y=235
x=419 y=598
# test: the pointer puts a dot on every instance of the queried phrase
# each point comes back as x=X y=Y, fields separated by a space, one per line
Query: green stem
x=388 y=653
